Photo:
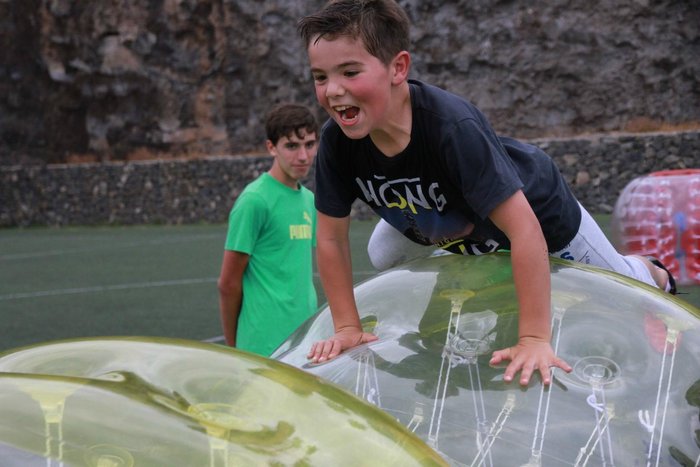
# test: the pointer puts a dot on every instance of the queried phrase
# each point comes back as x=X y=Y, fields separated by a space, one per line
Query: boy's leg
x=387 y=247
x=591 y=246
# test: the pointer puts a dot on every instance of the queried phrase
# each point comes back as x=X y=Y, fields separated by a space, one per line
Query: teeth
x=341 y=108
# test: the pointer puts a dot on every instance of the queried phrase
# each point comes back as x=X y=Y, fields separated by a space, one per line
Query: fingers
x=559 y=363
x=330 y=348
x=312 y=350
x=500 y=356
x=528 y=364
x=526 y=372
x=324 y=350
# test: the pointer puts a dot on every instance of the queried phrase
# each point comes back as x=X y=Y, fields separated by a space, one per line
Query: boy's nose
x=334 y=89
x=303 y=154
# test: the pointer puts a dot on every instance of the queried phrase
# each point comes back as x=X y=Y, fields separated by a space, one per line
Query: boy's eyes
x=347 y=73
x=295 y=146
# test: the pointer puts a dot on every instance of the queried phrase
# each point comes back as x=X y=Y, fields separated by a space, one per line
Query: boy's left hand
x=343 y=339
x=528 y=355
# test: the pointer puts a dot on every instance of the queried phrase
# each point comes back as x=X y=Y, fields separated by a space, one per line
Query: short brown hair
x=285 y=119
x=382 y=25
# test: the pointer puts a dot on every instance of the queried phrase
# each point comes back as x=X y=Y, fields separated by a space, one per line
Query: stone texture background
x=203 y=190
x=113 y=79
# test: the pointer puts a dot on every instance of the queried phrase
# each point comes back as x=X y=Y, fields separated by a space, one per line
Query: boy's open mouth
x=347 y=113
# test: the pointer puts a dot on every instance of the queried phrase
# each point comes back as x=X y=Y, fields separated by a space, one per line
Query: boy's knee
x=378 y=257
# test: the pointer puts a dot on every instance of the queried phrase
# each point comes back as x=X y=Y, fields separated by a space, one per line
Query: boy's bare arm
x=531 y=275
x=231 y=292
x=335 y=269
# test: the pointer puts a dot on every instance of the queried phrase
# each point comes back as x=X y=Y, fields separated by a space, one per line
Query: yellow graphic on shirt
x=402 y=193
x=301 y=231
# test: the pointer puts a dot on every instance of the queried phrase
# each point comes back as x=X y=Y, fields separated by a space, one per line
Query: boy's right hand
x=344 y=339
x=528 y=355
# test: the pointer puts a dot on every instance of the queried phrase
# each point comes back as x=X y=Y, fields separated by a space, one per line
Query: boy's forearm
x=229 y=309
x=531 y=276
x=335 y=270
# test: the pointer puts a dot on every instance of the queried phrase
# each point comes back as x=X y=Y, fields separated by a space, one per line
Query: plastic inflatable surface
x=659 y=215
x=165 y=402
x=633 y=397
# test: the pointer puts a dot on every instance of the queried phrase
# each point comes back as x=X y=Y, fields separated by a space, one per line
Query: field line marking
x=105 y=288
x=107 y=247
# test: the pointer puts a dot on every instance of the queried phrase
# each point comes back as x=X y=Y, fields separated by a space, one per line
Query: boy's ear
x=270 y=147
x=401 y=65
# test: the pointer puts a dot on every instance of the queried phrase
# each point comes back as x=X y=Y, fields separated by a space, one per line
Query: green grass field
x=58 y=283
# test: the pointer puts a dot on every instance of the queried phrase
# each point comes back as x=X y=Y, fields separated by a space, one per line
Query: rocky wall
x=203 y=190
x=111 y=80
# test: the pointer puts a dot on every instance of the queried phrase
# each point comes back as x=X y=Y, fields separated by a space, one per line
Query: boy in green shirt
x=265 y=288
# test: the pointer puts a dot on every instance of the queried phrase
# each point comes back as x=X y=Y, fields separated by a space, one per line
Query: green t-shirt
x=276 y=226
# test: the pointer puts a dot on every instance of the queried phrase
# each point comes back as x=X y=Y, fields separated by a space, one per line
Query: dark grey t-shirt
x=441 y=189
